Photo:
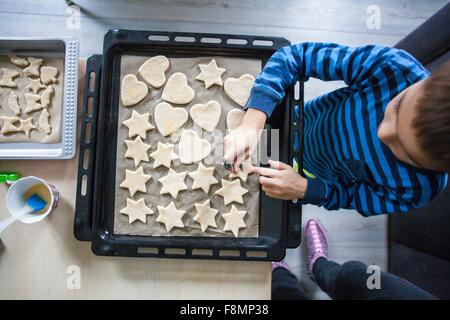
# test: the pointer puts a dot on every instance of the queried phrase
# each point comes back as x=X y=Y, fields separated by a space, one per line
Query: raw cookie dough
x=170 y=216
x=35 y=85
x=138 y=124
x=205 y=215
x=169 y=119
x=231 y=191
x=13 y=103
x=18 y=61
x=177 y=89
x=136 y=210
x=154 y=71
x=46 y=96
x=206 y=116
x=44 y=122
x=32 y=102
x=163 y=155
x=203 y=178
x=234 y=118
x=192 y=148
x=8 y=125
x=244 y=172
x=132 y=91
x=26 y=126
x=239 y=89
x=33 y=69
x=137 y=150
x=49 y=75
x=173 y=183
x=234 y=220
x=210 y=74
x=135 y=181
x=7 y=79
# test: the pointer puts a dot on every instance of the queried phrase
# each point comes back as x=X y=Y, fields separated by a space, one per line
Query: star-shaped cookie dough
x=170 y=216
x=243 y=172
x=203 y=178
x=210 y=74
x=35 y=85
x=205 y=215
x=231 y=191
x=138 y=124
x=26 y=126
x=173 y=183
x=163 y=155
x=9 y=124
x=234 y=220
x=137 y=150
x=136 y=210
x=135 y=181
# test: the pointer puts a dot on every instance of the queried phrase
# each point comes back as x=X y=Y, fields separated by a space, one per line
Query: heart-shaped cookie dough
x=234 y=118
x=239 y=89
x=177 y=89
x=206 y=116
x=133 y=91
x=192 y=148
x=169 y=119
x=154 y=71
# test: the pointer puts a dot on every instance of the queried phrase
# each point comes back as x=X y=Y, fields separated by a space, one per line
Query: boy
x=379 y=145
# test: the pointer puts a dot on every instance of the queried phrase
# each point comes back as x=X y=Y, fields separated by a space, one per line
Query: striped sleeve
x=325 y=61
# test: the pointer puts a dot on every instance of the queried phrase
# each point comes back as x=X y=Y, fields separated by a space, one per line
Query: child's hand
x=281 y=181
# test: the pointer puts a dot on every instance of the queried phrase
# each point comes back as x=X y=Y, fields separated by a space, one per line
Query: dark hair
x=432 y=119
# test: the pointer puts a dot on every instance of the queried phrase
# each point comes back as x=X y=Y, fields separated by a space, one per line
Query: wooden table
x=38 y=261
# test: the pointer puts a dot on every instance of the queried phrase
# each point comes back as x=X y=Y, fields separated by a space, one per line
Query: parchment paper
x=54 y=109
x=235 y=67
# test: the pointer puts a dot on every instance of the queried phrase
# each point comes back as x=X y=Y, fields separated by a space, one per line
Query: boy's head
x=416 y=124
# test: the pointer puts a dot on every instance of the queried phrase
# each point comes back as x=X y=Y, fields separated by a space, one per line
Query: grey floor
x=345 y=22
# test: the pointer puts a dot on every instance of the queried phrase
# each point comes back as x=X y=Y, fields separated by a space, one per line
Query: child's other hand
x=280 y=181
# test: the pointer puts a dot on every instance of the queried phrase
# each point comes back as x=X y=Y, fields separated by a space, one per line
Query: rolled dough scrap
x=205 y=215
x=210 y=74
x=133 y=91
x=239 y=89
x=203 y=178
x=192 y=148
x=35 y=85
x=244 y=172
x=13 y=103
x=206 y=116
x=138 y=124
x=137 y=150
x=177 y=89
x=18 y=61
x=46 y=96
x=44 y=122
x=33 y=69
x=7 y=79
x=135 y=181
x=234 y=118
x=163 y=155
x=154 y=71
x=173 y=183
x=26 y=126
x=170 y=216
x=32 y=102
x=234 y=220
x=49 y=75
x=169 y=119
x=232 y=191
x=136 y=210
x=8 y=125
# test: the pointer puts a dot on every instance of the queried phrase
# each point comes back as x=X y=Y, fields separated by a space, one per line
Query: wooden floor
x=352 y=237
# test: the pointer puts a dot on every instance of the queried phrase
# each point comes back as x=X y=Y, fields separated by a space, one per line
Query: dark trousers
x=346 y=282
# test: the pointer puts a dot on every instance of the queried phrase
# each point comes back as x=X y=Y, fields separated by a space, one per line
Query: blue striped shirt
x=352 y=167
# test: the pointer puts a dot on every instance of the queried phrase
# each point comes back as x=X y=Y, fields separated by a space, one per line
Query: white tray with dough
x=61 y=146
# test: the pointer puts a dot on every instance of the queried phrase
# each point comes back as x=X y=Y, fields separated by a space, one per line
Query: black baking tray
x=280 y=221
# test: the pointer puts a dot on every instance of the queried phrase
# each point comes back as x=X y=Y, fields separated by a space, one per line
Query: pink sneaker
x=280 y=264
x=316 y=243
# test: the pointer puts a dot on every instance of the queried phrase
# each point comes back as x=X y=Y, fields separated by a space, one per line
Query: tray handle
x=86 y=162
